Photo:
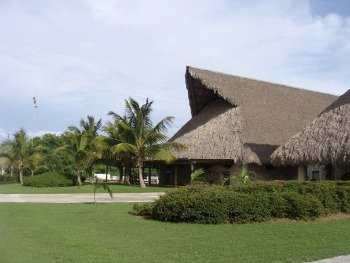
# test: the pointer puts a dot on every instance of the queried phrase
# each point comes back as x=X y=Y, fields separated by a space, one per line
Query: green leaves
x=136 y=135
x=96 y=183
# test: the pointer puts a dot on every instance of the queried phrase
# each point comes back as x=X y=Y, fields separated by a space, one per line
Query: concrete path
x=340 y=259
x=78 y=198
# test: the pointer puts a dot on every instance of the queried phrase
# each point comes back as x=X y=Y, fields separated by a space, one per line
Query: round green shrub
x=49 y=179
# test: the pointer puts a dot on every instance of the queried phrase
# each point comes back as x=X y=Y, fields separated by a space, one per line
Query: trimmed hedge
x=257 y=202
x=49 y=179
x=8 y=179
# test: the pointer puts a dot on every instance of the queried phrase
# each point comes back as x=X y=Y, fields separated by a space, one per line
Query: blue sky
x=86 y=57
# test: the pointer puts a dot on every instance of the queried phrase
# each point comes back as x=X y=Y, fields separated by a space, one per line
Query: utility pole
x=34 y=113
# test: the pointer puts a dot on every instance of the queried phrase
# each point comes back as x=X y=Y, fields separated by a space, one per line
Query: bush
x=244 y=208
x=49 y=179
x=197 y=206
x=296 y=206
x=8 y=179
x=342 y=197
x=255 y=202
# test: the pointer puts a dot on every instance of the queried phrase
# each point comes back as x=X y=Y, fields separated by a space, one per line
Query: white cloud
x=84 y=58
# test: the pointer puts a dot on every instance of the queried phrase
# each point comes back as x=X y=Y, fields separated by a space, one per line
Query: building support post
x=175 y=177
x=302 y=172
x=149 y=175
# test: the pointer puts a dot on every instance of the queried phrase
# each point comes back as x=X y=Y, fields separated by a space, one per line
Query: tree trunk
x=11 y=170
x=32 y=171
x=121 y=172
x=107 y=170
x=78 y=177
x=127 y=172
x=90 y=171
x=140 y=165
x=21 y=175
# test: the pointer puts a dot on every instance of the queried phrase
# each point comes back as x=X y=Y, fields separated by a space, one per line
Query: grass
x=19 y=189
x=107 y=233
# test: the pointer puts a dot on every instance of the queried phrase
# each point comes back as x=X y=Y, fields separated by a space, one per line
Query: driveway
x=78 y=198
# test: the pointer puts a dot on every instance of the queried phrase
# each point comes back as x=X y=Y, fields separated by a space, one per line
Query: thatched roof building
x=326 y=140
x=241 y=119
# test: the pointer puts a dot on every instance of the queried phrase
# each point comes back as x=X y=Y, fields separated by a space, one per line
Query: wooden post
x=302 y=172
x=149 y=175
x=175 y=177
x=192 y=167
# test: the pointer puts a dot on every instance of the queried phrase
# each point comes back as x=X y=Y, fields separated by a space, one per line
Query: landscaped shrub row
x=255 y=203
x=8 y=179
x=49 y=179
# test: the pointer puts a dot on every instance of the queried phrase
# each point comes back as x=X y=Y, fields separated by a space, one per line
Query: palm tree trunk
x=140 y=165
x=121 y=172
x=78 y=177
x=127 y=172
x=21 y=175
x=11 y=170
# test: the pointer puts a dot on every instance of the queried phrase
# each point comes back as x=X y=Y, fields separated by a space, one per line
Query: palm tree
x=89 y=127
x=84 y=145
x=19 y=149
x=76 y=145
x=139 y=137
x=112 y=139
x=7 y=156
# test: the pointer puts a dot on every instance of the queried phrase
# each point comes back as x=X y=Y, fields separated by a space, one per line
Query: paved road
x=78 y=198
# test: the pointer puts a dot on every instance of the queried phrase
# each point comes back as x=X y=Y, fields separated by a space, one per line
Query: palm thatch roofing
x=241 y=119
x=325 y=140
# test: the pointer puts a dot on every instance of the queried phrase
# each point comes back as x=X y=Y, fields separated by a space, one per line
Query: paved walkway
x=340 y=259
x=78 y=198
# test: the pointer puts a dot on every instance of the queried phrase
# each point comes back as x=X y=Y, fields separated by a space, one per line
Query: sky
x=84 y=58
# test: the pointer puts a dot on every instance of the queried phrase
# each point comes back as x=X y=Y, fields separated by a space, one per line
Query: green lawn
x=19 y=189
x=107 y=233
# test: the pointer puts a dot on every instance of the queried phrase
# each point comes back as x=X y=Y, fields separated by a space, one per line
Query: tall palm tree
x=76 y=145
x=113 y=138
x=141 y=138
x=84 y=144
x=7 y=156
x=20 y=149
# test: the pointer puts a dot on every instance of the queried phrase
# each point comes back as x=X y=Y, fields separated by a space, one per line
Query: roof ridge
x=261 y=81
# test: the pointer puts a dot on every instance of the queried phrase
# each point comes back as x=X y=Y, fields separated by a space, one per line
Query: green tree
x=22 y=150
x=84 y=145
x=61 y=161
x=8 y=160
x=76 y=145
x=113 y=138
x=95 y=144
x=36 y=153
x=141 y=138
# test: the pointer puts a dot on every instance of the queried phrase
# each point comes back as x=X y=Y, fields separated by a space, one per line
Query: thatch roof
x=243 y=119
x=325 y=140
